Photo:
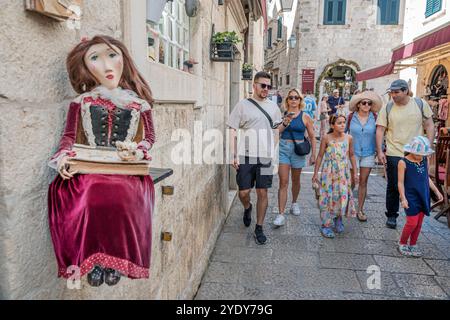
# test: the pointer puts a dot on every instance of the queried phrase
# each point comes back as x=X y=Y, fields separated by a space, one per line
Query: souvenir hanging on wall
x=60 y=10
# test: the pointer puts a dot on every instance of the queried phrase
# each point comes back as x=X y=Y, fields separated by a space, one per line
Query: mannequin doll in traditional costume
x=102 y=223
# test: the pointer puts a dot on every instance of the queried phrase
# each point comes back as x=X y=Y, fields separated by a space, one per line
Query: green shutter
x=382 y=11
x=394 y=12
x=432 y=7
x=388 y=11
x=334 y=11
x=328 y=12
x=280 y=28
x=340 y=12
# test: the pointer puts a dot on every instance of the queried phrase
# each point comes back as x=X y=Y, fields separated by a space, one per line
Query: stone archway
x=438 y=76
x=339 y=63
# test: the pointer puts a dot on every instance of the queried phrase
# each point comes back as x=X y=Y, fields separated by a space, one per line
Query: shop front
x=433 y=85
x=429 y=57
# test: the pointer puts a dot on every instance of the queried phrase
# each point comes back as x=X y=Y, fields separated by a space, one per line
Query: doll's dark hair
x=82 y=79
x=333 y=119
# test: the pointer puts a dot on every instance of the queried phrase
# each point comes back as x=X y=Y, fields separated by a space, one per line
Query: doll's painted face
x=105 y=64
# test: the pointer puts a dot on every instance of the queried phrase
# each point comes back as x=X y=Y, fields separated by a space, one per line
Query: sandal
x=327 y=232
x=338 y=225
x=361 y=216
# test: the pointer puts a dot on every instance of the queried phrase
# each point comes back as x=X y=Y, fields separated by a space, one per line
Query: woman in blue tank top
x=296 y=122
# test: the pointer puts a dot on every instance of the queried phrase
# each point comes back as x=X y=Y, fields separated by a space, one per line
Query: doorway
x=342 y=78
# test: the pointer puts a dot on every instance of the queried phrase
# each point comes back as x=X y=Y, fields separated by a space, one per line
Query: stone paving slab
x=296 y=258
x=441 y=267
x=445 y=249
x=242 y=255
x=298 y=263
x=364 y=296
x=431 y=251
x=227 y=291
x=420 y=286
x=345 y=261
x=388 y=286
x=403 y=265
x=444 y=282
x=435 y=238
x=222 y=272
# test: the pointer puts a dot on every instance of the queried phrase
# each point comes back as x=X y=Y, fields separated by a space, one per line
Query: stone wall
x=34 y=95
x=361 y=40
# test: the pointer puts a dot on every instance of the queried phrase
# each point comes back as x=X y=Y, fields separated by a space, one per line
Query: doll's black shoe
x=96 y=277
x=112 y=277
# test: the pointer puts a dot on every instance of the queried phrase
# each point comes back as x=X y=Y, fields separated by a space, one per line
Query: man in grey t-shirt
x=254 y=149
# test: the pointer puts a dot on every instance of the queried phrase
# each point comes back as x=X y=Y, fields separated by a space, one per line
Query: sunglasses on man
x=264 y=86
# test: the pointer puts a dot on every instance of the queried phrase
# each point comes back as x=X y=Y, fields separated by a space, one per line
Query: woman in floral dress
x=336 y=199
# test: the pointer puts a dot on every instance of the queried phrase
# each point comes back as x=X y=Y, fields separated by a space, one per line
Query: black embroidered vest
x=120 y=123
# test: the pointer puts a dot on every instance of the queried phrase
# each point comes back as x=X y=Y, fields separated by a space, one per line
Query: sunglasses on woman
x=363 y=103
x=294 y=98
x=263 y=85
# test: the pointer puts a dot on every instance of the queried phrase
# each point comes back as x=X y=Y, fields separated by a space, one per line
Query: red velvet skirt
x=102 y=220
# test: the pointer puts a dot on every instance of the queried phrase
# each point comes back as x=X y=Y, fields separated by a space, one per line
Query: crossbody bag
x=301 y=148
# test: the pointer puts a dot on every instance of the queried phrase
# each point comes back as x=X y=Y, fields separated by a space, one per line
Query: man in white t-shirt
x=253 y=150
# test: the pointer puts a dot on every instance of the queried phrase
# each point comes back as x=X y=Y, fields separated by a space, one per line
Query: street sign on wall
x=308 y=80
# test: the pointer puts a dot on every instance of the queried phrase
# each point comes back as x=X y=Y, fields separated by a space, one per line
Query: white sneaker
x=279 y=220
x=415 y=251
x=295 y=210
x=404 y=250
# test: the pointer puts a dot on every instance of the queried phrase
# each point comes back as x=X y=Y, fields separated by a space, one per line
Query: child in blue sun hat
x=414 y=188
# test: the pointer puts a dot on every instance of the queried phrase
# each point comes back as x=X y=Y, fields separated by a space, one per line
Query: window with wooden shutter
x=388 y=11
x=334 y=12
x=432 y=7
x=280 y=28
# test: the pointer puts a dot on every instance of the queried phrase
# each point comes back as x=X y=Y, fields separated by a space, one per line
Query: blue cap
x=398 y=85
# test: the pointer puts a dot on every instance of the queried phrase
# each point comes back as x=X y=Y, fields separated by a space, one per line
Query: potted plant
x=247 y=71
x=224 y=42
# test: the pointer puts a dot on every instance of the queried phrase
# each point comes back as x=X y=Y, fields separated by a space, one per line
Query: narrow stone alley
x=298 y=263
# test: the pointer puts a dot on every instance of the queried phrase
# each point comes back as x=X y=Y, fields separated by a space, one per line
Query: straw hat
x=419 y=145
x=366 y=95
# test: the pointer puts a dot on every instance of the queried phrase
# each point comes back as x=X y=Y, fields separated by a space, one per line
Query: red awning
x=264 y=12
x=425 y=43
x=377 y=72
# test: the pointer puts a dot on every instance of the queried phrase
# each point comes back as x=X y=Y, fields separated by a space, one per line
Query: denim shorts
x=365 y=162
x=288 y=155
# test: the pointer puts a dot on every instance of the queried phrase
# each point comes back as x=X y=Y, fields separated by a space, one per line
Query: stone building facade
x=425 y=68
x=329 y=50
x=34 y=96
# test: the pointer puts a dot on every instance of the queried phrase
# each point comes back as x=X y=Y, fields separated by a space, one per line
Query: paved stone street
x=298 y=263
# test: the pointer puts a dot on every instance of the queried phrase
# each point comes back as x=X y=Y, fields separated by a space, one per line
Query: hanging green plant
x=247 y=67
x=247 y=71
x=226 y=37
